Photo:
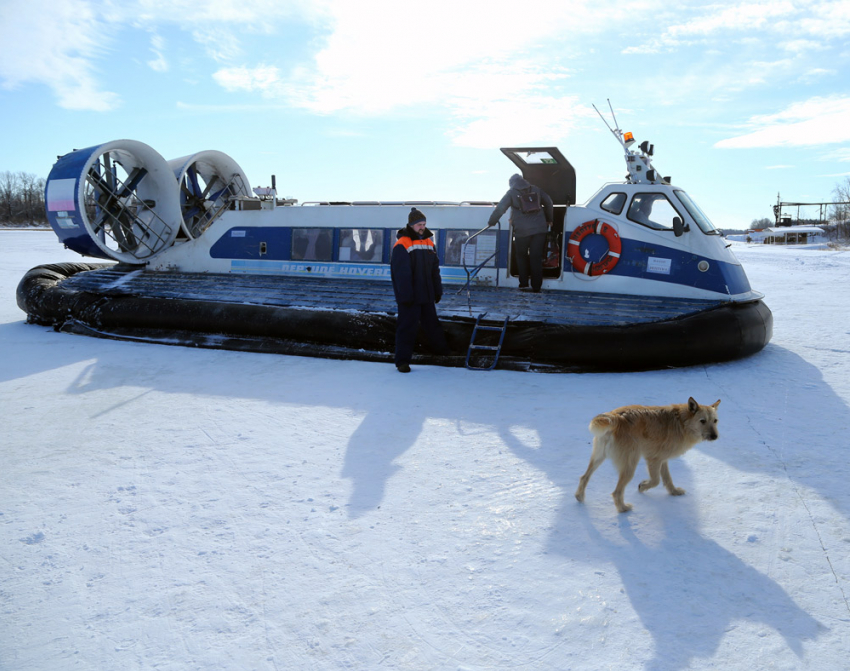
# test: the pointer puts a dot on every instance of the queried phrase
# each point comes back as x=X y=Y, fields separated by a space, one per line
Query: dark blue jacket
x=415 y=268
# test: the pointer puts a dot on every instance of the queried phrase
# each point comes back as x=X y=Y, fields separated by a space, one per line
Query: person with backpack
x=415 y=272
x=531 y=219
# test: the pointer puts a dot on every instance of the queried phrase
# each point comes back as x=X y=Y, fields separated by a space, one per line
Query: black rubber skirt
x=563 y=332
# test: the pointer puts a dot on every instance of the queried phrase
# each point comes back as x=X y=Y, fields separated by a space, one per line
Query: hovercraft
x=637 y=278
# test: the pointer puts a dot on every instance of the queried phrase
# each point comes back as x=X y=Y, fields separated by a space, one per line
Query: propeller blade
x=209 y=186
x=108 y=171
x=186 y=195
x=100 y=222
x=191 y=212
x=98 y=183
x=104 y=195
x=192 y=174
x=219 y=193
x=132 y=182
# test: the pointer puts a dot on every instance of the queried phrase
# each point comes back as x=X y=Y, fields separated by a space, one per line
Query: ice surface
x=173 y=508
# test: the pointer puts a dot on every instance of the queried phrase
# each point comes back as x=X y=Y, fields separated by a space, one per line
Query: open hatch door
x=547 y=168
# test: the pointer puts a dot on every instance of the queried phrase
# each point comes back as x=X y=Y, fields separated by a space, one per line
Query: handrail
x=398 y=203
x=477 y=269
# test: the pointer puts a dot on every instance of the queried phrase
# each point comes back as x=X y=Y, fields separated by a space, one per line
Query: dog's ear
x=714 y=405
x=693 y=406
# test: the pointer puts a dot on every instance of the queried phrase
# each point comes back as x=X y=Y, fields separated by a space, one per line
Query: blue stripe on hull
x=647 y=261
x=640 y=260
x=327 y=269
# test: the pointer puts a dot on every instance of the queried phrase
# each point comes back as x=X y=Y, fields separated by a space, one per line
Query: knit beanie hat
x=414 y=217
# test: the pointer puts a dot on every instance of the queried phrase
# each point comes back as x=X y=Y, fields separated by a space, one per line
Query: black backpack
x=529 y=200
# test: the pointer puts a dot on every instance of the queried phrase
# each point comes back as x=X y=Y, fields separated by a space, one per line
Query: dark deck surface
x=376 y=296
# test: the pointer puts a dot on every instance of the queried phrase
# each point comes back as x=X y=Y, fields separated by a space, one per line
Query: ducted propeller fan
x=118 y=200
x=208 y=181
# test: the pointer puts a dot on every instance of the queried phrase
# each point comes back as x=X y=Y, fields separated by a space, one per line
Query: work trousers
x=410 y=318
x=529 y=259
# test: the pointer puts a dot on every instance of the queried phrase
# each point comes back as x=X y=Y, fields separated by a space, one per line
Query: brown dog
x=656 y=433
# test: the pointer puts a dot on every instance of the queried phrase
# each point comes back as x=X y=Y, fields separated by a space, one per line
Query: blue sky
x=372 y=100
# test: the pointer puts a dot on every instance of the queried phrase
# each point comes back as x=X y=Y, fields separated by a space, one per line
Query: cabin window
x=653 y=210
x=476 y=252
x=364 y=245
x=312 y=244
x=614 y=203
x=698 y=215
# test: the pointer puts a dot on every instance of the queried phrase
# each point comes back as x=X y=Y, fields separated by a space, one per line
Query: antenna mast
x=616 y=132
x=638 y=163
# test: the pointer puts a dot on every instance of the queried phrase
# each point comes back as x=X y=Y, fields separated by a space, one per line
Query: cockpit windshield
x=697 y=214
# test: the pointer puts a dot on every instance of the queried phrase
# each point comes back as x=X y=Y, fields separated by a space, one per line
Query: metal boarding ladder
x=496 y=349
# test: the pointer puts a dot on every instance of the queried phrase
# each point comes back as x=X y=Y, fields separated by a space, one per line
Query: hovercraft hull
x=551 y=331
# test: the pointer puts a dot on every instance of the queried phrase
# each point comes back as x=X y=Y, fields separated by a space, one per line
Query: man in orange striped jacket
x=415 y=271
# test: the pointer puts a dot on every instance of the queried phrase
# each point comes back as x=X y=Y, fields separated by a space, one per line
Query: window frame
x=699 y=216
x=622 y=206
x=448 y=232
x=379 y=233
x=650 y=224
x=321 y=229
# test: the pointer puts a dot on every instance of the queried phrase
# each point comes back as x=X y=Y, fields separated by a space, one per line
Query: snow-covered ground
x=173 y=508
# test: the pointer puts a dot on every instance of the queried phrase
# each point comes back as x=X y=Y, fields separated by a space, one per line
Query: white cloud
x=841 y=155
x=484 y=101
x=54 y=44
x=812 y=122
x=380 y=57
x=199 y=108
x=411 y=59
x=482 y=66
x=58 y=44
x=220 y=44
x=655 y=45
x=800 y=46
x=706 y=81
x=825 y=21
x=263 y=79
x=191 y=14
x=543 y=118
x=158 y=64
x=796 y=25
x=411 y=56
x=815 y=74
x=745 y=16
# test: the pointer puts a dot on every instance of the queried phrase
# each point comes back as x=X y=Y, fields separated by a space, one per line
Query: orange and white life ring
x=607 y=263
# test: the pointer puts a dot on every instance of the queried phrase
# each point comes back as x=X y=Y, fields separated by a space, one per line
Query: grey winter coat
x=523 y=224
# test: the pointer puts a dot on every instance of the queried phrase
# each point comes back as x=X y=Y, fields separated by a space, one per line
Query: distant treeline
x=21 y=198
x=836 y=232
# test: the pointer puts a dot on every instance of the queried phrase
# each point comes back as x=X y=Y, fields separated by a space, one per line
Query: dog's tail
x=602 y=424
